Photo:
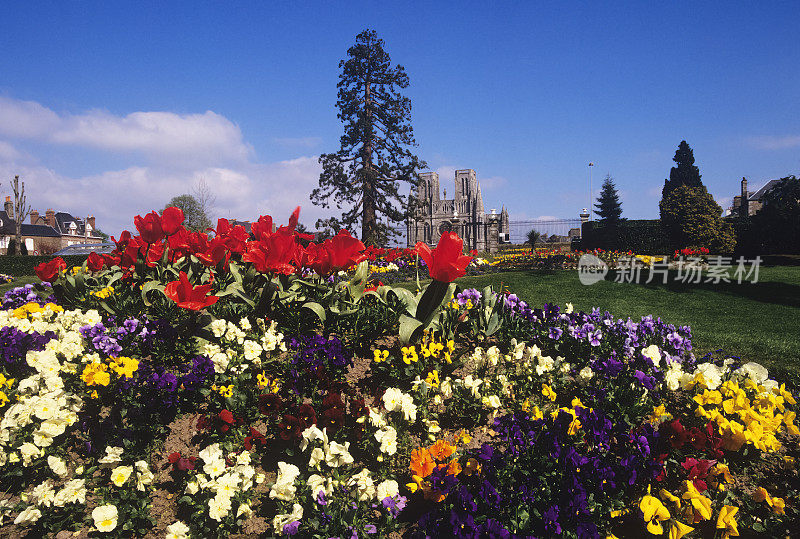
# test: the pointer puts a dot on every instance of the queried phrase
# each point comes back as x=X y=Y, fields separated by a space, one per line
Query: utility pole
x=591 y=165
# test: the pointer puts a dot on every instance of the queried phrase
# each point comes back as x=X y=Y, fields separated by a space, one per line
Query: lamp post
x=590 y=189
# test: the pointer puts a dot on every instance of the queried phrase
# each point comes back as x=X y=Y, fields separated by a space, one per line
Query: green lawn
x=757 y=322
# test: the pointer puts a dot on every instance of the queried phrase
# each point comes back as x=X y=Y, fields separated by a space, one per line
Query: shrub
x=691 y=217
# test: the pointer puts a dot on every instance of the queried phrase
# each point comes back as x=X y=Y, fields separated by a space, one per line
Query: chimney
x=34 y=216
x=9 y=207
x=90 y=222
x=744 y=205
x=50 y=217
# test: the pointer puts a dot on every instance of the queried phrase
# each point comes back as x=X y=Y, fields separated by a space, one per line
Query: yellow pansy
x=380 y=356
x=654 y=514
x=678 y=529
x=96 y=374
x=726 y=521
x=700 y=508
x=433 y=379
x=548 y=392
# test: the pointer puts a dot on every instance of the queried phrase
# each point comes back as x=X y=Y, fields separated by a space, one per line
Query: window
x=29 y=244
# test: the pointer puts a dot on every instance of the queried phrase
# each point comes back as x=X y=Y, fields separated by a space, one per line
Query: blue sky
x=113 y=108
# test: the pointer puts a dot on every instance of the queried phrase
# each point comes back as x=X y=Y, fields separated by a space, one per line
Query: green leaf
x=148 y=287
x=409 y=328
x=315 y=308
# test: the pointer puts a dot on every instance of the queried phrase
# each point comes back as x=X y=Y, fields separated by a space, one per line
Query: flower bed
x=186 y=386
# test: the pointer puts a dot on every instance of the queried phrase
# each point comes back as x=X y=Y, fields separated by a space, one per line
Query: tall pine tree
x=364 y=177
x=608 y=206
x=685 y=173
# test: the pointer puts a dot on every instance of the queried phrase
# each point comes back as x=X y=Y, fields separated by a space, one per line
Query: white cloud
x=774 y=143
x=162 y=136
x=491 y=183
x=174 y=151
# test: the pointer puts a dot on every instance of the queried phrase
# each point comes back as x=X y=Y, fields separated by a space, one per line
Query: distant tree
x=195 y=218
x=685 y=173
x=534 y=237
x=374 y=159
x=103 y=235
x=777 y=223
x=608 y=206
x=205 y=198
x=21 y=212
x=691 y=218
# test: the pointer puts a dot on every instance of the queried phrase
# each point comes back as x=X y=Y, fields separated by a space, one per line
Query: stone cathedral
x=463 y=214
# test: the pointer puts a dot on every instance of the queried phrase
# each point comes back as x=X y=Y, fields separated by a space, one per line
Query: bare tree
x=205 y=198
x=21 y=210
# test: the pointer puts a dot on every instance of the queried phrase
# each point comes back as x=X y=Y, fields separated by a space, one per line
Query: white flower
x=177 y=530
x=393 y=399
x=218 y=327
x=408 y=407
x=711 y=374
x=143 y=475
x=74 y=491
x=387 y=437
x=245 y=324
x=492 y=401
x=473 y=384
x=387 y=489
x=28 y=516
x=105 y=517
x=215 y=468
x=57 y=465
x=113 y=454
x=317 y=483
x=29 y=452
x=192 y=488
x=756 y=372
x=317 y=456
x=492 y=355
x=338 y=455
x=283 y=519
x=218 y=507
x=376 y=418
x=313 y=433
x=364 y=484
x=284 y=488
x=673 y=377
x=44 y=493
x=446 y=388
x=653 y=353
x=544 y=364
x=120 y=475
x=569 y=308
x=252 y=350
x=585 y=375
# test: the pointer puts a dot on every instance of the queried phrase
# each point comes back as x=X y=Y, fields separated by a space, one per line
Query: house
x=48 y=234
x=752 y=200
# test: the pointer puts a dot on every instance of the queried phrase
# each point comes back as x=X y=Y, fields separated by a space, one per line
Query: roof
x=758 y=195
x=42 y=231
x=62 y=228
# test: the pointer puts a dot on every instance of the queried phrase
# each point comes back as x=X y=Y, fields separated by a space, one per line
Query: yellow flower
x=380 y=355
x=536 y=413
x=761 y=495
x=433 y=379
x=778 y=505
x=3 y=399
x=659 y=415
x=678 y=530
x=409 y=355
x=548 y=392
x=654 y=513
x=96 y=374
x=726 y=521
x=669 y=497
x=124 y=366
x=700 y=508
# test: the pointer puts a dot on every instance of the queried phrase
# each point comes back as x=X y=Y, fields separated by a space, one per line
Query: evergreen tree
x=374 y=160
x=691 y=218
x=608 y=206
x=685 y=173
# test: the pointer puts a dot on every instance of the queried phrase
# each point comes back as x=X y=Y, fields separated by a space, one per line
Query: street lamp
x=590 y=189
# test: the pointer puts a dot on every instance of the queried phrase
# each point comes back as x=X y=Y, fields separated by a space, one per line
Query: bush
x=691 y=218
x=20 y=266
x=639 y=236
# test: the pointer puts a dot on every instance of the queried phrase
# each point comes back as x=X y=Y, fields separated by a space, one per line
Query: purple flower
x=291 y=528
x=370 y=529
x=594 y=338
x=321 y=498
x=555 y=333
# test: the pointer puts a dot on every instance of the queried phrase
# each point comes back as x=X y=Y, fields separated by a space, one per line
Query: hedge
x=20 y=266
x=637 y=235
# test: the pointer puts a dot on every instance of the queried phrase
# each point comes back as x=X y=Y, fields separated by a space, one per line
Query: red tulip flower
x=149 y=227
x=446 y=263
x=187 y=296
x=95 y=262
x=344 y=250
x=48 y=271
x=171 y=220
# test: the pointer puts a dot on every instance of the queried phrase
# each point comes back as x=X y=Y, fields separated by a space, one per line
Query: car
x=85 y=249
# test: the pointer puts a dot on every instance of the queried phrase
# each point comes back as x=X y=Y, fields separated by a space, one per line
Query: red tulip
x=149 y=227
x=446 y=263
x=171 y=220
x=275 y=253
x=95 y=262
x=187 y=296
x=48 y=271
x=344 y=250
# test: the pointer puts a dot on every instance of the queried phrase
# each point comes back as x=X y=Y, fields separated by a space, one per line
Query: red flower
x=446 y=263
x=291 y=427
x=697 y=471
x=48 y=271
x=344 y=251
x=188 y=297
x=95 y=262
x=255 y=438
x=171 y=220
x=149 y=227
x=275 y=253
x=269 y=404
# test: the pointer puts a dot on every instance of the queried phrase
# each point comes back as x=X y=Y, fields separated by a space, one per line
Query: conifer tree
x=685 y=173
x=608 y=206
x=364 y=177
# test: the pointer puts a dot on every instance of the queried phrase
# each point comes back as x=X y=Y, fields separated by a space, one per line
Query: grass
x=18 y=281
x=758 y=322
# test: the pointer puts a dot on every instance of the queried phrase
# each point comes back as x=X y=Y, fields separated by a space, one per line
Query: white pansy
x=387 y=437
x=57 y=465
x=544 y=364
x=282 y=519
x=408 y=407
x=120 y=475
x=177 y=530
x=313 y=433
x=393 y=399
x=105 y=517
x=143 y=475
x=218 y=327
x=113 y=455
x=219 y=507
x=252 y=350
x=365 y=486
x=212 y=452
x=387 y=489
x=492 y=355
x=317 y=456
x=28 y=516
x=653 y=353
x=755 y=371
x=585 y=375
x=338 y=455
